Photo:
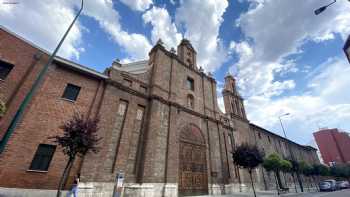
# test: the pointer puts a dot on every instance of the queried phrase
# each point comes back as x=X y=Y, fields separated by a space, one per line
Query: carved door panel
x=193 y=178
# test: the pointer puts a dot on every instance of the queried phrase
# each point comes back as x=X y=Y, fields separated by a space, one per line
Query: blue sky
x=284 y=57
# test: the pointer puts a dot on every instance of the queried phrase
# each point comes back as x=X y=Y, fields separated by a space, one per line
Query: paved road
x=341 y=193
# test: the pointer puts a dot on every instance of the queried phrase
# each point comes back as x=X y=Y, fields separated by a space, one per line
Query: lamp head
x=320 y=10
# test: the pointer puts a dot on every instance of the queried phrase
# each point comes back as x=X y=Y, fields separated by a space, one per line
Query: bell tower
x=187 y=54
x=232 y=100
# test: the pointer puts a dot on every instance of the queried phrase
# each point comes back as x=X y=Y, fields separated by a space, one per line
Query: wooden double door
x=193 y=177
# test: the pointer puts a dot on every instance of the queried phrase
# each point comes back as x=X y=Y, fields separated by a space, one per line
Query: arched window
x=190 y=101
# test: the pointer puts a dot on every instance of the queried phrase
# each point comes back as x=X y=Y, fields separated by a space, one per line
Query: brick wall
x=42 y=118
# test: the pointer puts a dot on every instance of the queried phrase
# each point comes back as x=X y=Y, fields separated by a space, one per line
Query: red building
x=334 y=145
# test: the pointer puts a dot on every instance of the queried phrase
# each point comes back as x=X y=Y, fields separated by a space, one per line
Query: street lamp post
x=35 y=86
x=291 y=153
x=279 y=117
x=323 y=8
x=346 y=47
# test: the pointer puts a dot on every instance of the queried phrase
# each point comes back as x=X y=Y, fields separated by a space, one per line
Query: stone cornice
x=170 y=103
x=127 y=75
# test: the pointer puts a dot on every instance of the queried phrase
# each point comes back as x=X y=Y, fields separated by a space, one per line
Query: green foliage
x=319 y=170
x=272 y=162
x=2 y=108
x=285 y=165
x=341 y=171
x=79 y=136
x=324 y=170
x=247 y=156
x=306 y=169
x=295 y=165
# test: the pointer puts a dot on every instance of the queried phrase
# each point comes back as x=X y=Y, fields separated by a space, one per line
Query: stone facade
x=160 y=124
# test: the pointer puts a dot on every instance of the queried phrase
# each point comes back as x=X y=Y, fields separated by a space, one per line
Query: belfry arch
x=193 y=176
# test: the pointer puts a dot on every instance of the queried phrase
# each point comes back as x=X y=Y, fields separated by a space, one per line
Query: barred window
x=140 y=112
x=42 y=157
x=122 y=107
x=5 y=69
x=71 y=92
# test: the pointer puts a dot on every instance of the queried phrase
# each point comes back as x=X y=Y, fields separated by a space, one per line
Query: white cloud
x=163 y=28
x=326 y=104
x=274 y=30
x=138 y=5
x=44 y=23
x=277 y=29
x=136 y=45
x=202 y=20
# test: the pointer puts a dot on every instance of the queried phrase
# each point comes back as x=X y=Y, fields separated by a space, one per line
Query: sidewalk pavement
x=261 y=194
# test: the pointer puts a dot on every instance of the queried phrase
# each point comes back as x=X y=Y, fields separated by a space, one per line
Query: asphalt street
x=340 y=193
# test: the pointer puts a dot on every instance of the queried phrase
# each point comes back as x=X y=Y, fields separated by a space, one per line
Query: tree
x=79 y=137
x=293 y=171
x=340 y=171
x=324 y=170
x=306 y=170
x=296 y=170
x=248 y=157
x=286 y=167
x=2 y=108
x=273 y=163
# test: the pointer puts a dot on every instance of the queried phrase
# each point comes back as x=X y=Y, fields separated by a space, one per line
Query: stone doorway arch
x=193 y=176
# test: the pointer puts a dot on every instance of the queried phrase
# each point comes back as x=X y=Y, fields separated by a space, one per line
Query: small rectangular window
x=259 y=135
x=5 y=69
x=190 y=83
x=268 y=137
x=140 y=112
x=127 y=82
x=42 y=157
x=122 y=107
x=71 y=92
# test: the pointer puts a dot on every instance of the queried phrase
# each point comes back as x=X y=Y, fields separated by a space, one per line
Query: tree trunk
x=300 y=182
x=279 y=179
x=278 y=191
x=251 y=180
x=264 y=179
x=295 y=185
x=315 y=183
x=285 y=179
x=64 y=176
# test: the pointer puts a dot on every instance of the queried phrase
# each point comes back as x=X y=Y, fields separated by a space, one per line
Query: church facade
x=160 y=124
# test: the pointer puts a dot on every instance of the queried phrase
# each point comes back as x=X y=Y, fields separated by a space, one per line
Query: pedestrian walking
x=74 y=189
